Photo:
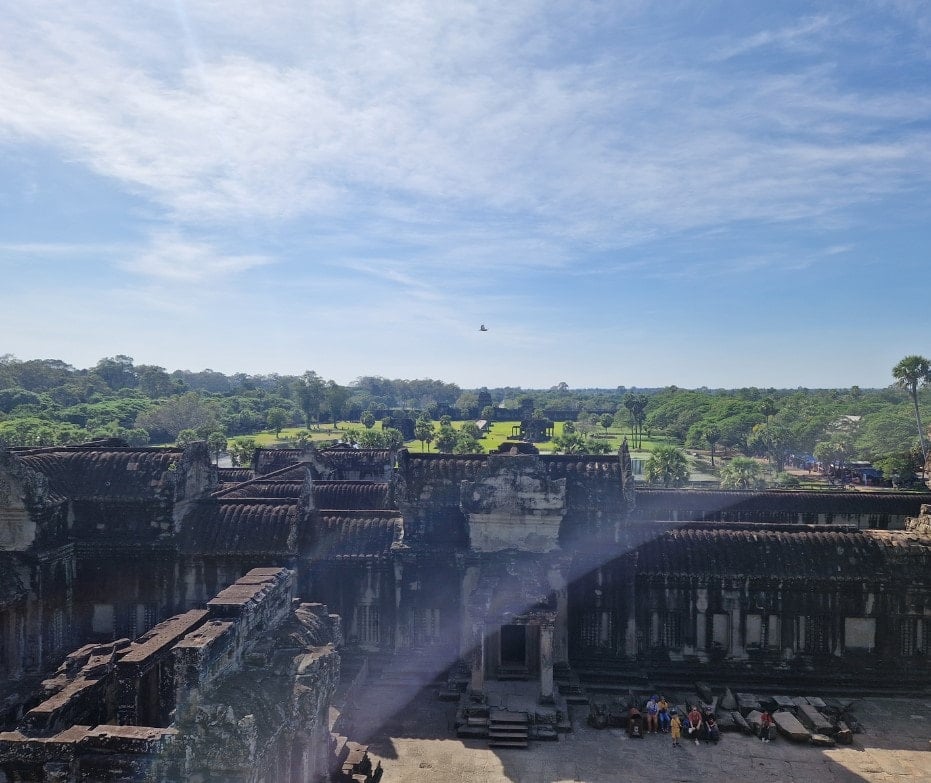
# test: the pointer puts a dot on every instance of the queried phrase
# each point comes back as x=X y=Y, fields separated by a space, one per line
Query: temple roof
x=104 y=474
x=340 y=459
x=253 y=525
x=269 y=460
x=357 y=535
x=350 y=494
x=456 y=466
x=653 y=500
x=446 y=466
x=780 y=551
x=262 y=488
x=234 y=475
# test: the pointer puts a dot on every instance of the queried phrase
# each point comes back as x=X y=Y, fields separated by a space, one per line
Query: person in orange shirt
x=675 y=728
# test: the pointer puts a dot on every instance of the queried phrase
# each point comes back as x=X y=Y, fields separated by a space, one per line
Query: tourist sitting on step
x=712 y=732
x=662 y=714
x=652 y=709
x=694 y=723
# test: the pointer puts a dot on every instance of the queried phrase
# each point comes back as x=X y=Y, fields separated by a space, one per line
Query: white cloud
x=170 y=257
x=414 y=120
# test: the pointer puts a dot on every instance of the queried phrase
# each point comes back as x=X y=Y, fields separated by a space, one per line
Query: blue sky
x=691 y=193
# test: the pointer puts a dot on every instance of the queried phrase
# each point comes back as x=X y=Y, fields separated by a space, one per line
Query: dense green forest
x=49 y=402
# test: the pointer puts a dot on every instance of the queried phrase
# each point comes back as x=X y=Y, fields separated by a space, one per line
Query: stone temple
x=155 y=609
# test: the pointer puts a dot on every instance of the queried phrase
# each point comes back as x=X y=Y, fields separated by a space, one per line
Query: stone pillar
x=737 y=648
x=398 y=584
x=546 y=661
x=701 y=607
x=557 y=581
x=477 y=681
x=630 y=600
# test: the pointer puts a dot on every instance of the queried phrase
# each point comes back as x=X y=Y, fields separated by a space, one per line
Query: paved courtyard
x=411 y=733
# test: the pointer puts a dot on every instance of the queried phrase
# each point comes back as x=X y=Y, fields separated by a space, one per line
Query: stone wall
x=239 y=689
x=921 y=523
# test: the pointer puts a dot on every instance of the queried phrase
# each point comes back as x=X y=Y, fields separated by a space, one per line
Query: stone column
x=398 y=585
x=737 y=648
x=701 y=607
x=630 y=599
x=477 y=681
x=546 y=660
x=557 y=581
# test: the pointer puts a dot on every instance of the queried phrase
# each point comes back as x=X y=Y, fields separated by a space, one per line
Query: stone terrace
x=415 y=743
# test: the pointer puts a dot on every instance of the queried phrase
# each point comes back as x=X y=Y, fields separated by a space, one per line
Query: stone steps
x=508 y=729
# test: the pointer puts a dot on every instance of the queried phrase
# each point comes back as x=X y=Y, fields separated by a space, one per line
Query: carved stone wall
x=245 y=683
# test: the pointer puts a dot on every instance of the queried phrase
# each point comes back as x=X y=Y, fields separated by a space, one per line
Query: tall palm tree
x=909 y=374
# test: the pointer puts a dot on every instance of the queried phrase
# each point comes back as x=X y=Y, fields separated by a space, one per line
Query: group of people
x=698 y=725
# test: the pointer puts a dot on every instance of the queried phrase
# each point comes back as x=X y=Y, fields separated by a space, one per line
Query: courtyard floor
x=412 y=734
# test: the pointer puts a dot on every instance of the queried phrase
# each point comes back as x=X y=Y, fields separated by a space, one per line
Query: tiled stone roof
x=234 y=475
x=260 y=488
x=295 y=472
x=270 y=460
x=112 y=473
x=350 y=494
x=588 y=466
x=241 y=526
x=699 y=501
x=780 y=551
x=418 y=467
x=340 y=461
x=357 y=535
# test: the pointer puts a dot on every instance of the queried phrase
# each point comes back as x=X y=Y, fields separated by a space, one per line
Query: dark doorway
x=513 y=645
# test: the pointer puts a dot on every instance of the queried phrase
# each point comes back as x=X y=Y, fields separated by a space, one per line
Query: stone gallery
x=134 y=569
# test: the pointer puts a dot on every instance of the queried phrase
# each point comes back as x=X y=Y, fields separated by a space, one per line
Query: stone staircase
x=507 y=729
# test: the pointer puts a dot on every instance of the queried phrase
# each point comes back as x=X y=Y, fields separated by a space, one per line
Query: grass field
x=499 y=432
x=326 y=432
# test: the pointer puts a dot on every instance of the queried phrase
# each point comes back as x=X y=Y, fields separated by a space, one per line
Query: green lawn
x=324 y=432
x=499 y=432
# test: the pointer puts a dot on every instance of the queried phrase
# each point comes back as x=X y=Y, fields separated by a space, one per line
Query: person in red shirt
x=766 y=727
x=694 y=723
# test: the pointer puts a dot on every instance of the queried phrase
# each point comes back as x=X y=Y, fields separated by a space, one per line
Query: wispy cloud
x=60 y=249
x=409 y=116
x=549 y=169
x=170 y=257
x=802 y=35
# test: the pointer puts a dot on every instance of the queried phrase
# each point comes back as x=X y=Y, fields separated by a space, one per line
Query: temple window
x=672 y=631
x=859 y=633
x=817 y=637
x=753 y=630
x=367 y=626
x=913 y=636
x=721 y=630
x=774 y=631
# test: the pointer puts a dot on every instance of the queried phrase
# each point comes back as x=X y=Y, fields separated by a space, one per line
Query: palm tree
x=909 y=374
x=741 y=473
x=667 y=466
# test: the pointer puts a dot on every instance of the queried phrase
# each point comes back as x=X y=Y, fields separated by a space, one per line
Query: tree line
x=49 y=402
